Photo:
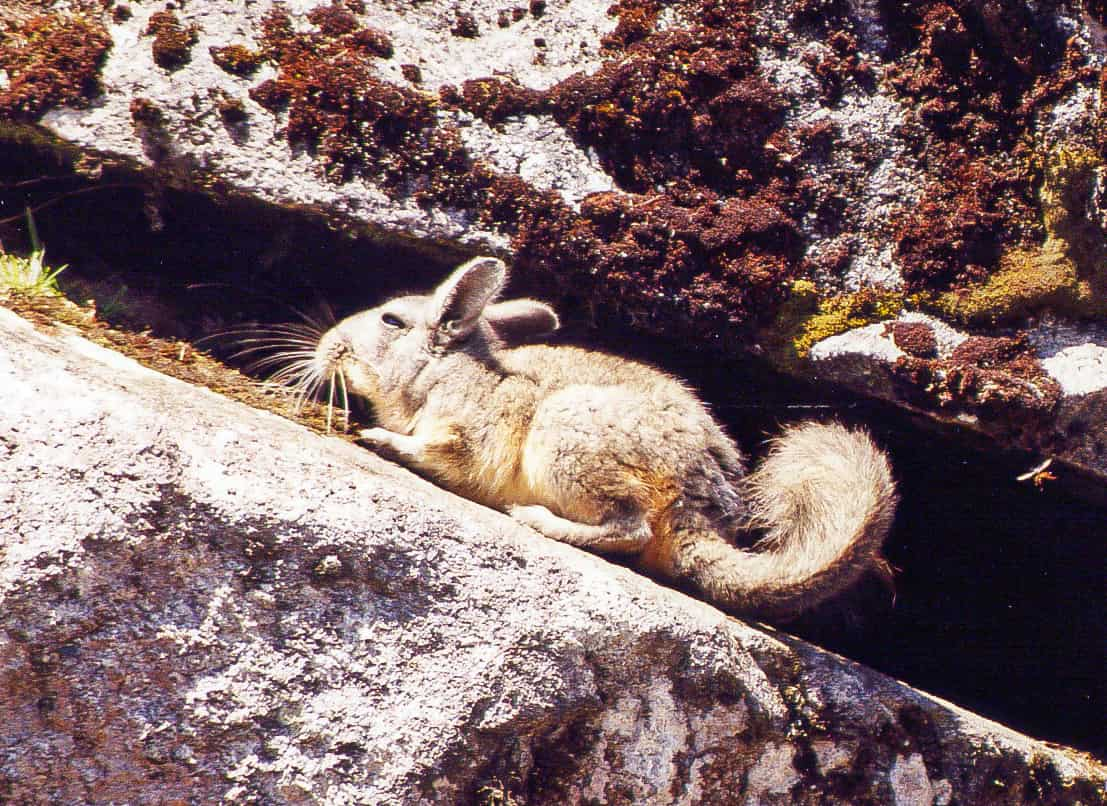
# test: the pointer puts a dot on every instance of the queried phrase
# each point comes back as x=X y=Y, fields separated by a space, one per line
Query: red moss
x=465 y=25
x=680 y=104
x=333 y=20
x=968 y=215
x=145 y=112
x=271 y=95
x=835 y=67
x=494 y=100
x=989 y=351
x=172 y=46
x=337 y=105
x=231 y=110
x=238 y=60
x=412 y=73
x=976 y=75
x=979 y=72
x=998 y=379
x=637 y=20
x=51 y=60
x=371 y=41
x=683 y=118
x=914 y=338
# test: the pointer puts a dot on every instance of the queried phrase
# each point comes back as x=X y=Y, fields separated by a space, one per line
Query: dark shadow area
x=999 y=599
x=184 y=266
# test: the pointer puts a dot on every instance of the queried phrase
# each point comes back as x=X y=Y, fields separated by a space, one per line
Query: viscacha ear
x=519 y=320
x=457 y=304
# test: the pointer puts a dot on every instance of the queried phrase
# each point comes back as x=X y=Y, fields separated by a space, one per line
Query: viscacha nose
x=332 y=348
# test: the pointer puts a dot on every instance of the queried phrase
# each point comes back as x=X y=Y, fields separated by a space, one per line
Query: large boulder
x=752 y=176
x=201 y=602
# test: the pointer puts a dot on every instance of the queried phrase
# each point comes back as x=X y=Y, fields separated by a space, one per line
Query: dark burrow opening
x=999 y=602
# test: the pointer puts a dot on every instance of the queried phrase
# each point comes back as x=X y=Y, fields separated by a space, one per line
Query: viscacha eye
x=392 y=320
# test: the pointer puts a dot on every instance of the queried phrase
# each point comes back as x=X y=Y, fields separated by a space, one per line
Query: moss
x=50 y=60
x=977 y=77
x=172 y=46
x=971 y=211
x=333 y=20
x=372 y=42
x=145 y=111
x=914 y=338
x=494 y=100
x=465 y=25
x=1066 y=273
x=999 y=380
x=805 y=319
x=338 y=106
x=231 y=110
x=238 y=60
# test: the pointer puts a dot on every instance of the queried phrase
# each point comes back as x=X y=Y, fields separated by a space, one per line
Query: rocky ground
x=900 y=201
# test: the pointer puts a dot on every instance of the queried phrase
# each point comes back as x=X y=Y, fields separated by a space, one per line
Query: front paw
x=536 y=517
x=380 y=440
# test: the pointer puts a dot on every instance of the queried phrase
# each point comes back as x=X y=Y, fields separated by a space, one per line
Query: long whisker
x=330 y=403
x=345 y=401
x=285 y=355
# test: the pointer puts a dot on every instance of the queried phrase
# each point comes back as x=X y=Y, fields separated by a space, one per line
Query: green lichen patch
x=50 y=60
x=1028 y=279
x=1067 y=195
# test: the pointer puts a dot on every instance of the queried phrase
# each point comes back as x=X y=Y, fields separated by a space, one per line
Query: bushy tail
x=825 y=498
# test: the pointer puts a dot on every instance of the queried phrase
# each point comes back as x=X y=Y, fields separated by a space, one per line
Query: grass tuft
x=30 y=275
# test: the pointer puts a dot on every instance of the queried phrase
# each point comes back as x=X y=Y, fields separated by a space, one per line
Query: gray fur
x=605 y=453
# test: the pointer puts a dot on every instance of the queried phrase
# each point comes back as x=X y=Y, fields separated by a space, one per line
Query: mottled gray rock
x=255 y=161
x=868 y=146
x=1071 y=356
x=204 y=603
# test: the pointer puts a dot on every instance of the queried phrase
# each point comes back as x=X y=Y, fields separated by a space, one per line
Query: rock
x=200 y=601
x=684 y=167
x=1045 y=391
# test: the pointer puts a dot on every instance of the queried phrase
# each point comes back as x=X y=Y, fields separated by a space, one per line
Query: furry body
x=609 y=454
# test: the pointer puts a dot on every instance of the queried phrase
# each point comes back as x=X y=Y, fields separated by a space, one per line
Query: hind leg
x=618 y=535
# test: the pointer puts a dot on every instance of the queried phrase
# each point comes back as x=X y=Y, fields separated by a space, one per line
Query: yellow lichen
x=805 y=320
x=1028 y=279
x=1067 y=273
